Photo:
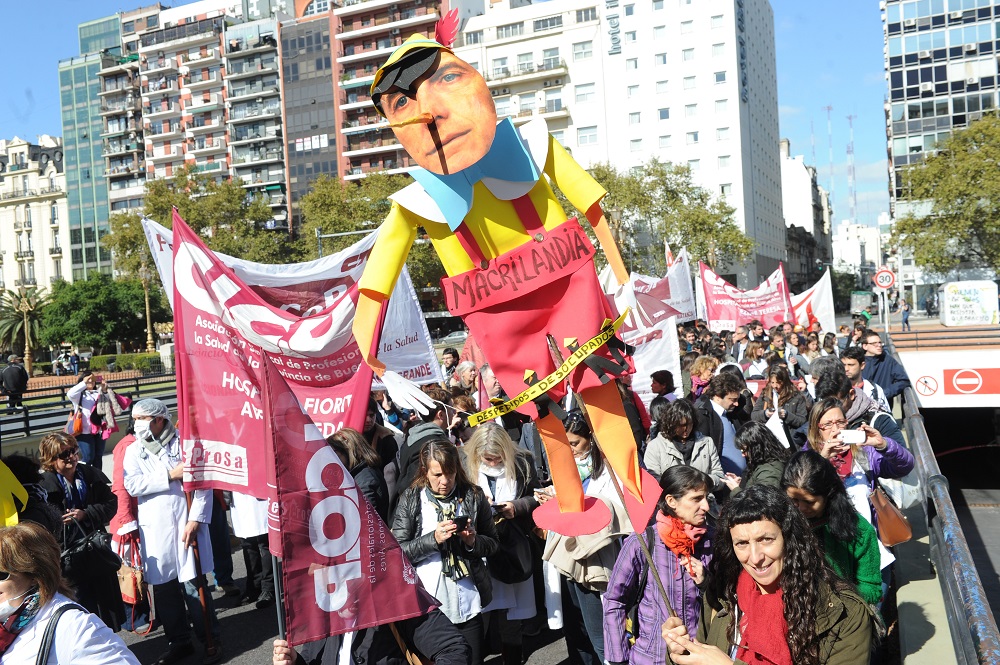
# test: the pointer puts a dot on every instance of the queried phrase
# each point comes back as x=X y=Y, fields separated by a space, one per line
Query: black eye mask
x=405 y=74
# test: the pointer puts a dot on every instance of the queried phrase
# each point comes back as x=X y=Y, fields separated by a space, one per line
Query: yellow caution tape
x=537 y=390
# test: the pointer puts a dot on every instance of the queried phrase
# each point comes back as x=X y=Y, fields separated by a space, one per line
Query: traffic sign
x=984 y=381
x=927 y=385
x=884 y=279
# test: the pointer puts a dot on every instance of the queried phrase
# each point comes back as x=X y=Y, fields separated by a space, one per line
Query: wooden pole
x=209 y=643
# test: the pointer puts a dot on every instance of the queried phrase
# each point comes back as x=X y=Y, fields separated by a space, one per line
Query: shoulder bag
x=50 y=632
x=893 y=527
x=89 y=556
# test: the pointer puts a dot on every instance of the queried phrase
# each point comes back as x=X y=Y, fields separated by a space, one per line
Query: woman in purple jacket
x=681 y=544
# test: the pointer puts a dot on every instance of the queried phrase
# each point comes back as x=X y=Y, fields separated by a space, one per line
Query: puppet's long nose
x=422 y=119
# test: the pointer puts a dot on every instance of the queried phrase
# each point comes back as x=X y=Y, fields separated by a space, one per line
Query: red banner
x=342 y=569
x=223 y=330
x=728 y=306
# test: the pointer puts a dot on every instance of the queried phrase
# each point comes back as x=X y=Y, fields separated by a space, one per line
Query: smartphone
x=98 y=378
x=461 y=522
x=497 y=509
x=853 y=436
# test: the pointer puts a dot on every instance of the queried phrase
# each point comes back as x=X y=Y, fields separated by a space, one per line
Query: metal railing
x=938 y=338
x=973 y=627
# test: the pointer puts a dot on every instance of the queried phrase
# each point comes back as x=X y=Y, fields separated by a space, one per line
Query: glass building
x=86 y=187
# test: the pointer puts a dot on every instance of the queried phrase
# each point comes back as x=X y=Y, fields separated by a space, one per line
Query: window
x=559 y=136
x=721 y=105
x=510 y=30
x=474 y=37
x=128 y=27
x=665 y=141
x=527 y=102
x=692 y=138
x=630 y=37
x=548 y=23
x=588 y=14
x=717 y=21
x=635 y=145
x=661 y=87
x=726 y=189
x=525 y=63
x=475 y=65
x=687 y=55
x=723 y=161
x=660 y=32
x=722 y=134
x=629 y=10
x=690 y=110
x=664 y=114
x=633 y=91
x=586 y=135
x=688 y=82
x=550 y=58
x=503 y=106
x=585 y=92
x=500 y=67
x=583 y=51
x=720 y=77
x=657 y=5
x=718 y=50
x=694 y=165
x=633 y=118
x=152 y=21
x=631 y=63
x=660 y=58
x=687 y=27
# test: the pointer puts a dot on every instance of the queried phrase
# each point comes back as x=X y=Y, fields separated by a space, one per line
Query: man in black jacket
x=719 y=417
x=881 y=368
x=15 y=381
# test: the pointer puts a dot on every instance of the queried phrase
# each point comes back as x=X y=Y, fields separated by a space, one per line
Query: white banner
x=406 y=346
x=656 y=348
x=815 y=305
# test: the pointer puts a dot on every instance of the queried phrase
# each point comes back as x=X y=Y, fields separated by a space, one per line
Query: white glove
x=406 y=394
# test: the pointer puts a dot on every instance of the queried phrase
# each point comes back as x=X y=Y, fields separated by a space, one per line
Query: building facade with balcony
x=806 y=209
x=34 y=224
x=80 y=87
x=693 y=83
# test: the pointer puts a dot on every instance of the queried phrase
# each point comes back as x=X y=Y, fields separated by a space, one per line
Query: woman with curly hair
x=780 y=396
x=679 y=443
x=702 y=372
x=849 y=542
x=770 y=597
x=765 y=455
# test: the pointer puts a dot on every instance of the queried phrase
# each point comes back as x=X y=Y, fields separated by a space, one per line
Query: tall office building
x=83 y=125
x=687 y=82
x=942 y=71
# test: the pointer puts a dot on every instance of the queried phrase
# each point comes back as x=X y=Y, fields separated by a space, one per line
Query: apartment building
x=686 y=82
x=806 y=209
x=34 y=225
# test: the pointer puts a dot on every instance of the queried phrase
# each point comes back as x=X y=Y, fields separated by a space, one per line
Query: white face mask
x=6 y=609
x=141 y=428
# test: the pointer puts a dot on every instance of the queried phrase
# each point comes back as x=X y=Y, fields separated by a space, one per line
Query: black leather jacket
x=406 y=527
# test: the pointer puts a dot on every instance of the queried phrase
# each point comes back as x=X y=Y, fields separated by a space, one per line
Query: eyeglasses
x=833 y=423
x=877 y=342
x=66 y=454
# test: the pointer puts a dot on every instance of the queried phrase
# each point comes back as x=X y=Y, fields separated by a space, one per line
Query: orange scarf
x=679 y=536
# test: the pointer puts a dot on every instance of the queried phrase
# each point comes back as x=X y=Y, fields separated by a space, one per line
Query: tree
x=659 y=201
x=843 y=284
x=333 y=206
x=961 y=185
x=100 y=311
x=12 y=318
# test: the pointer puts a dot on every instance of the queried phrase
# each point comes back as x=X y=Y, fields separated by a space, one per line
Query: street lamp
x=25 y=306
x=144 y=276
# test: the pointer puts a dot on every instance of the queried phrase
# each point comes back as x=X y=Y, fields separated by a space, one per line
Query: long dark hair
x=680 y=410
x=811 y=472
x=803 y=569
x=785 y=392
x=760 y=446
x=575 y=423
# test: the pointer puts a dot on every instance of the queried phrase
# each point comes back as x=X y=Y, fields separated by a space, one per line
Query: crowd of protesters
x=764 y=547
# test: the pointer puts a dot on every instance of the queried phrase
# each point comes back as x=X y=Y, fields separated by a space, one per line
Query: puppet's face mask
x=452 y=119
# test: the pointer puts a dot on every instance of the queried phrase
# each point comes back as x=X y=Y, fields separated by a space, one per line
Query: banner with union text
x=728 y=306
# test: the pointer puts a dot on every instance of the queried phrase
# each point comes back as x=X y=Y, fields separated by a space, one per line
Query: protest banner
x=343 y=570
x=814 y=306
x=727 y=306
x=656 y=348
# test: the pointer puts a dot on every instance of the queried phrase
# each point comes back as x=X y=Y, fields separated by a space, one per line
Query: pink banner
x=728 y=306
x=223 y=330
x=342 y=569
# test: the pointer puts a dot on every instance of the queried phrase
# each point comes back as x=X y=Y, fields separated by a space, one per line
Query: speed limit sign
x=884 y=279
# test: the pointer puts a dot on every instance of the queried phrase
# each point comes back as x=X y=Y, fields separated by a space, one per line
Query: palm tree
x=12 y=318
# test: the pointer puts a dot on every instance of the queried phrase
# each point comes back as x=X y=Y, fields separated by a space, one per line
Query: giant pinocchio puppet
x=520 y=274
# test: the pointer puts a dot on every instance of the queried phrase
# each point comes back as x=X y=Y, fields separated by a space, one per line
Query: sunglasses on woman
x=66 y=454
x=4 y=576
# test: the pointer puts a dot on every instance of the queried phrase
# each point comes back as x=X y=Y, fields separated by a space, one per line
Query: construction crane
x=852 y=191
x=829 y=131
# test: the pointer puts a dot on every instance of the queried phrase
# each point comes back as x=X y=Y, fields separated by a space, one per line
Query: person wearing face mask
x=152 y=473
x=584 y=563
x=33 y=595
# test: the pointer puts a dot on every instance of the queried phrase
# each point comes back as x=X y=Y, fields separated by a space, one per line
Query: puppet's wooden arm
x=597 y=220
x=365 y=324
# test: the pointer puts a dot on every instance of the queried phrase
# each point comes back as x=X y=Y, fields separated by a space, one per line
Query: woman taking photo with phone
x=93 y=398
x=444 y=525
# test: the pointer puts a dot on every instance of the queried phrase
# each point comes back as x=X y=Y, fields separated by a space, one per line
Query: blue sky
x=829 y=53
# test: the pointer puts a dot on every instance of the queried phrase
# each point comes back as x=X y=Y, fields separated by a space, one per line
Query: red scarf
x=679 y=536
x=763 y=631
x=843 y=463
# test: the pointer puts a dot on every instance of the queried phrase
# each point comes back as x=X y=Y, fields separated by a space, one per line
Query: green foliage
x=100 y=363
x=962 y=184
x=143 y=362
x=659 y=201
x=843 y=284
x=100 y=311
x=12 y=318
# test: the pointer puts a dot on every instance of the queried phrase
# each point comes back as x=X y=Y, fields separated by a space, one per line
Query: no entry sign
x=972 y=381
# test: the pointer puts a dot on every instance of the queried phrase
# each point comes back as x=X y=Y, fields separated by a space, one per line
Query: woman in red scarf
x=772 y=599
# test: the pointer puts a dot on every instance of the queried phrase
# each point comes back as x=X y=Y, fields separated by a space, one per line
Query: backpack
x=632 y=615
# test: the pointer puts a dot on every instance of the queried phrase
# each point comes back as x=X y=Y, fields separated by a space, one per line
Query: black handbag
x=512 y=562
x=91 y=555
